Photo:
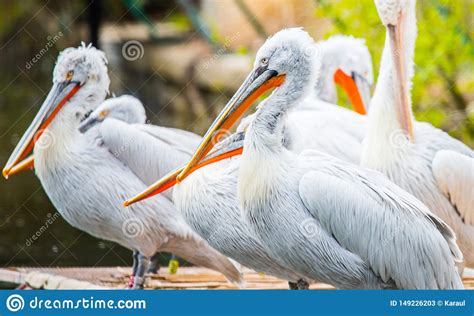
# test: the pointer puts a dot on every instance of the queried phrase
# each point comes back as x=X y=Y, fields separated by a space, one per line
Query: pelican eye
x=86 y=115
x=69 y=75
x=264 y=61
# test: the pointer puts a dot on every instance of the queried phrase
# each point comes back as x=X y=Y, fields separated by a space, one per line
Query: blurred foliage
x=443 y=86
x=179 y=20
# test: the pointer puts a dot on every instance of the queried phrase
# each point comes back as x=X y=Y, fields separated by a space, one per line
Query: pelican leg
x=298 y=285
x=154 y=264
x=134 y=269
x=139 y=280
x=302 y=284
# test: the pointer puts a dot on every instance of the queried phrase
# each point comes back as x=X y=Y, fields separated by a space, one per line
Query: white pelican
x=172 y=147
x=424 y=160
x=365 y=231
x=86 y=181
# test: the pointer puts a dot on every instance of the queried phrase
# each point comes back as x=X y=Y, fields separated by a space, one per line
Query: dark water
x=32 y=233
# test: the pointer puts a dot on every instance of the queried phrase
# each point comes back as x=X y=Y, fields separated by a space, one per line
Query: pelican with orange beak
x=86 y=177
x=345 y=61
x=427 y=162
x=323 y=218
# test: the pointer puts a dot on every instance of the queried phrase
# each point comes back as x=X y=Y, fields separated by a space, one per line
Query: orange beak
x=26 y=164
x=349 y=86
x=170 y=179
x=258 y=82
x=59 y=95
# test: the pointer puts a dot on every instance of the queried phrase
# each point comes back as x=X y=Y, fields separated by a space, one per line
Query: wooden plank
x=116 y=277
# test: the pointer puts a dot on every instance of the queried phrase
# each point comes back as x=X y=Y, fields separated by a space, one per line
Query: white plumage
x=87 y=180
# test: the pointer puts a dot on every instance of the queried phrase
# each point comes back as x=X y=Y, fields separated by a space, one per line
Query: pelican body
x=172 y=147
x=326 y=219
x=424 y=160
x=212 y=211
x=87 y=181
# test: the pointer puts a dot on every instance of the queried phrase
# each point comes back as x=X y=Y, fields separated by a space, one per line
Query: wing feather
x=180 y=140
x=454 y=173
x=380 y=222
x=148 y=155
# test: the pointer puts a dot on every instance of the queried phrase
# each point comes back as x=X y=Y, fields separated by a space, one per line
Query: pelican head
x=80 y=83
x=287 y=60
x=291 y=54
x=395 y=14
x=125 y=108
x=390 y=11
x=346 y=60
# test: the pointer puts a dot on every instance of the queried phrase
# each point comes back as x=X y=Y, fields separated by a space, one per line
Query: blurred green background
x=184 y=40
